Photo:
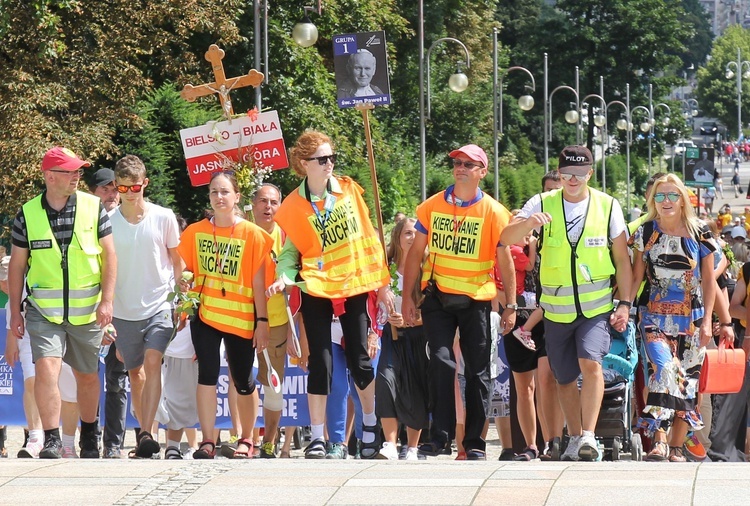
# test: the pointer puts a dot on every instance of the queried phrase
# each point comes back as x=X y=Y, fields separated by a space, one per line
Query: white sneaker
x=69 y=452
x=31 y=450
x=189 y=453
x=388 y=452
x=571 y=451
x=588 y=449
x=412 y=453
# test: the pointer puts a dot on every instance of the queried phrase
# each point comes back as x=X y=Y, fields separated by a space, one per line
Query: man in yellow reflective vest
x=583 y=245
x=460 y=228
x=62 y=245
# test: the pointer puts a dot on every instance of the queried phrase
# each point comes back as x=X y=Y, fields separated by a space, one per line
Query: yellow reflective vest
x=576 y=279
x=59 y=293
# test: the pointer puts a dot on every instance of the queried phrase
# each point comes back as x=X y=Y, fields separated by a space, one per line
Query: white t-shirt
x=574 y=216
x=182 y=344
x=144 y=267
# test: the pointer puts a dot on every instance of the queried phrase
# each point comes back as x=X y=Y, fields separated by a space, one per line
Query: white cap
x=739 y=232
x=4 y=267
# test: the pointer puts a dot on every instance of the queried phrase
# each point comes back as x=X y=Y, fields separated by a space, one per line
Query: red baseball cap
x=474 y=152
x=62 y=158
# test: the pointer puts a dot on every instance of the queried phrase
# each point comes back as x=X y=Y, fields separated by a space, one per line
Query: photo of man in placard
x=700 y=171
x=361 y=66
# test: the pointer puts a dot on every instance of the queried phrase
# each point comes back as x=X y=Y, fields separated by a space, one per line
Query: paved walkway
x=297 y=481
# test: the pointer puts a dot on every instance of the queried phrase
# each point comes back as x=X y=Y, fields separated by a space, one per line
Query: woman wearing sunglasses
x=674 y=249
x=340 y=258
x=229 y=259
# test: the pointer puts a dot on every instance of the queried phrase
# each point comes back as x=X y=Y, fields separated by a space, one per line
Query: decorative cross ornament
x=221 y=84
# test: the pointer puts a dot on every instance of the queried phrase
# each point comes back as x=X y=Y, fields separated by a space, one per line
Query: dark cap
x=575 y=160
x=103 y=177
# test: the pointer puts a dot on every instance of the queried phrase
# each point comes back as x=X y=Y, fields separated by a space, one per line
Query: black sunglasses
x=323 y=160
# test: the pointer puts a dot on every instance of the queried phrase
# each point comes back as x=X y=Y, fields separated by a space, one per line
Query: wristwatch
x=514 y=307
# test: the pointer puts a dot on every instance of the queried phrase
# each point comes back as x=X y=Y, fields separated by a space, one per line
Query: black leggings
x=317 y=314
x=240 y=356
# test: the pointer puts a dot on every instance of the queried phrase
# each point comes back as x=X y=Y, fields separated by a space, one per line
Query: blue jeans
x=342 y=386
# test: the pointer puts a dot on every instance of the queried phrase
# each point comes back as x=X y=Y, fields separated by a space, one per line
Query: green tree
x=717 y=95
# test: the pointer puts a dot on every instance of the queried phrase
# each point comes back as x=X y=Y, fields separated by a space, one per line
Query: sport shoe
x=111 y=453
x=31 y=450
x=52 y=449
x=571 y=451
x=507 y=454
x=267 y=451
x=412 y=453
x=89 y=444
x=68 y=452
x=316 y=449
x=476 y=455
x=388 y=452
x=337 y=451
x=524 y=337
x=402 y=452
x=694 y=449
x=588 y=448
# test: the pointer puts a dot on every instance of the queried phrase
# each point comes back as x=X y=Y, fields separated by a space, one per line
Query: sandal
x=676 y=454
x=658 y=453
x=528 y=454
x=172 y=453
x=285 y=455
x=248 y=454
x=370 y=450
x=146 y=446
x=203 y=453
x=524 y=337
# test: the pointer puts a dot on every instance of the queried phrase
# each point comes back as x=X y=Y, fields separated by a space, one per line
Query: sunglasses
x=672 y=196
x=323 y=160
x=79 y=172
x=224 y=172
x=134 y=188
x=469 y=165
x=568 y=177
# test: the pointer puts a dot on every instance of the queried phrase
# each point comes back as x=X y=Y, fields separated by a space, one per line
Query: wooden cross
x=221 y=84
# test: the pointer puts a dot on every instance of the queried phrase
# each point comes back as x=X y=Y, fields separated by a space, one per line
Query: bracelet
x=725 y=324
x=624 y=303
x=261 y=319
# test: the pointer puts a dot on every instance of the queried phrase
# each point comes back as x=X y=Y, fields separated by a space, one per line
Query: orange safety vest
x=351 y=261
x=462 y=243
x=224 y=261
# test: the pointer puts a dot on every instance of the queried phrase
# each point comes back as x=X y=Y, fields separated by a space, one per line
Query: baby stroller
x=613 y=428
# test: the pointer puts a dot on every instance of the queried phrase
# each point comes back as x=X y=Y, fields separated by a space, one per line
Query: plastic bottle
x=382 y=317
x=104 y=350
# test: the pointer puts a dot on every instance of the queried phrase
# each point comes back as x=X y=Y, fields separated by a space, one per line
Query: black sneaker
x=89 y=444
x=433 y=449
x=316 y=450
x=52 y=449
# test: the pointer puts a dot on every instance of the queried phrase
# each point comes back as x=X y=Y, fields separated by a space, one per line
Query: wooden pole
x=365 y=110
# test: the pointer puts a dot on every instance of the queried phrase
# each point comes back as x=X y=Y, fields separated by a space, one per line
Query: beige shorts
x=276 y=352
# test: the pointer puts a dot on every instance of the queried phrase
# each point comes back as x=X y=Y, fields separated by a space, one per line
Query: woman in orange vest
x=228 y=258
x=333 y=253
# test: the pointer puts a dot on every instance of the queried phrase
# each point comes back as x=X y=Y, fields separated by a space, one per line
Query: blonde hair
x=307 y=144
x=691 y=221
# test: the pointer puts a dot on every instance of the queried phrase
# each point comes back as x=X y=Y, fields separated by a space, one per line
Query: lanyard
x=220 y=266
x=457 y=224
x=330 y=202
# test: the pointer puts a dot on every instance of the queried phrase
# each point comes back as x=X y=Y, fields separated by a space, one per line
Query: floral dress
x=671 y=326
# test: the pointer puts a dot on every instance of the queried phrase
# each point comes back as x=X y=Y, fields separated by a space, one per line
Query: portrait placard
x=361 y=65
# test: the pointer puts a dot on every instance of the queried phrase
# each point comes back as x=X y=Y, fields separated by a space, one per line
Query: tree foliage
x=717 y=95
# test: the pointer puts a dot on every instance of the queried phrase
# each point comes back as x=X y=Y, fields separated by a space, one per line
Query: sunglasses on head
x=568 y=177
x=672 y=196
x=134 y=188
x=469 y=165
x=323 y=160
x=79 y=172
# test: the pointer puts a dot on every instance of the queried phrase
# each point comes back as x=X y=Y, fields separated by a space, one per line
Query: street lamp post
x=664 y=122
x=569 y=116
x=600 y=120
x=626 y=125
x=526 y=103
x=457 y=82
x=738 y=66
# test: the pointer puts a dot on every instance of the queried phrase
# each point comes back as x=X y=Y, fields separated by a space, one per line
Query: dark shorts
x=520 y=358
x=586 y=338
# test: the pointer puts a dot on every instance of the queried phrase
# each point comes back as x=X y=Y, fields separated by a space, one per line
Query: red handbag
x=723 y=370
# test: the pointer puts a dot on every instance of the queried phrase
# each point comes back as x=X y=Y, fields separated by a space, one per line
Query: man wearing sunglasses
x=582 y=244
x=62 y=244
x=146 y=237
x=461 y=226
